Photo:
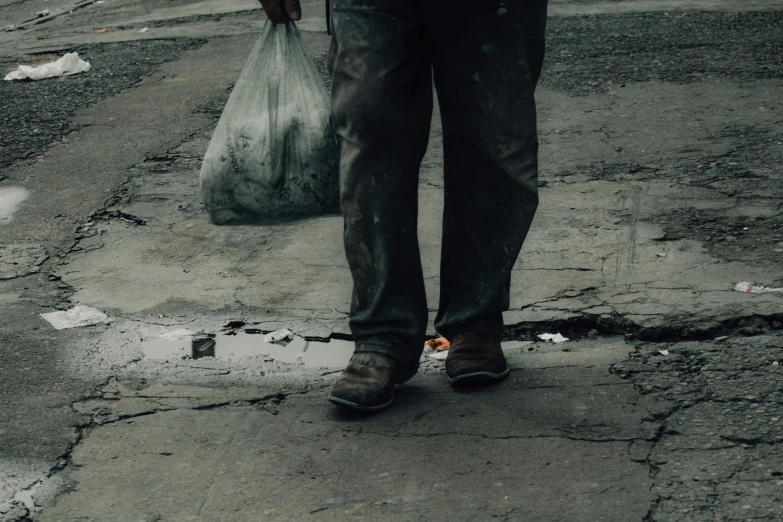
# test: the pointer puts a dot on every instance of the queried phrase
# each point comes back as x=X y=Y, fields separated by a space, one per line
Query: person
x=485 y=57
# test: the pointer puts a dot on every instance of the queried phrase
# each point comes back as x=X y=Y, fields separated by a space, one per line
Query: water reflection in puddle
x=232 y=346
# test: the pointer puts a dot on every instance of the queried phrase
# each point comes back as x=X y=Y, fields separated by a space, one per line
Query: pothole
x=232 y=346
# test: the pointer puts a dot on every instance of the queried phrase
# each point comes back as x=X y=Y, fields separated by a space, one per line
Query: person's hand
x=281 y=11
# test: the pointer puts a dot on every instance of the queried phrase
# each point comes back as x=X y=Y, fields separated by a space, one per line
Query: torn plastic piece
x=144 y=29
x=179 y=335
x=439 y=344
x=77 y=316
x=663 y=352
x=751 y=288
x=439 y=356
x=661 y=254
x=555 y=338
x=278 y=335
x=64 y=66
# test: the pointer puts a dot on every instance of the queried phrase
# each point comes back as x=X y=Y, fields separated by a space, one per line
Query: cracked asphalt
x=661 y=152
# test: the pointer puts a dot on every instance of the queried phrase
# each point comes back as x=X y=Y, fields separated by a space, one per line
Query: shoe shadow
x=405 y=396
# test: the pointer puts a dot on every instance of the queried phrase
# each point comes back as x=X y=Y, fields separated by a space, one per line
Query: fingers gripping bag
x=273 y=156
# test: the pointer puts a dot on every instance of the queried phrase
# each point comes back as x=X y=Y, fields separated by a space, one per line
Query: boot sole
x=359 y=407
x=479 y=377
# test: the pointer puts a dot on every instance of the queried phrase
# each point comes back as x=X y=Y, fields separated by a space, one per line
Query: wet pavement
x=661 y=186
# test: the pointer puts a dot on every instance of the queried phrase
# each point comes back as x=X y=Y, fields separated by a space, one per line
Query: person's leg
x=487 y=57
x=382 y=105
x=331 y=56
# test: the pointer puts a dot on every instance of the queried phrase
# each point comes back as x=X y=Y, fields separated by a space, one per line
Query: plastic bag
x=273 y=156
x=68 y=64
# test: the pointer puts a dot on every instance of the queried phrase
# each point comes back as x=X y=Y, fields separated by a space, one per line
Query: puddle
x=233 y=346
x=10 y=200
x=335 y=353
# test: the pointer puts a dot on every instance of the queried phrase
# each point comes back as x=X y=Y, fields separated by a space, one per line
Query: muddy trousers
x=485 y=57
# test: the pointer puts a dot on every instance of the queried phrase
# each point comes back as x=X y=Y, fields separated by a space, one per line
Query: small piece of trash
x=775 y=363
x=278 y=335
x=66 y=65
x=721 y=338
x=439 y=356
x=77 y=316
x=144 y=29
x=440 y=344
x=555 y=338
x=178 y=335
x=751 y=288
x=660 y=254
x=45 y=12
x=104 y=30
x=663 y=352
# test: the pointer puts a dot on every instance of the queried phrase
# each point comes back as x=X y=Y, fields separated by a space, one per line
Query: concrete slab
x=300 y=460
x=601 y=257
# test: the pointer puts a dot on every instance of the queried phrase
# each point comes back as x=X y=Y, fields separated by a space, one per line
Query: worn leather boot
x=367 y=384
x=475 y=357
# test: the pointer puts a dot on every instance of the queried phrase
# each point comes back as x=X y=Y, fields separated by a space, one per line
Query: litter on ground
x=64 y=66
x=555 y=338
x=751 y=288
x=77 y=316
x=144 y=29
x=438 y=356
x=279 y=335
x=439 y=344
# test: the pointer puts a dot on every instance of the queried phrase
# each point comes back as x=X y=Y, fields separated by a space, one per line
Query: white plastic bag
x=273 y=156
x=68 y=64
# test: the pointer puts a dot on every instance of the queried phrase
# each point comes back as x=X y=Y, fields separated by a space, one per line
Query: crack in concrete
x=81 y=431
x=690 y=367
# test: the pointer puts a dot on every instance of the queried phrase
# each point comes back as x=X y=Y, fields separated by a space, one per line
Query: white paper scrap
x=144 y=29
x=64 y=66
x=555 y=338
x=77 y=316
x=278 y=335
x=663 y=352
x=750 y=288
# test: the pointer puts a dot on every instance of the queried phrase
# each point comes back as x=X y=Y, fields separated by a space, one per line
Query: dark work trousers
x=485 y=57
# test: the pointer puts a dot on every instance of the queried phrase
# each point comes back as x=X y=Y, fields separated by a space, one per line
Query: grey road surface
x=661 y=190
